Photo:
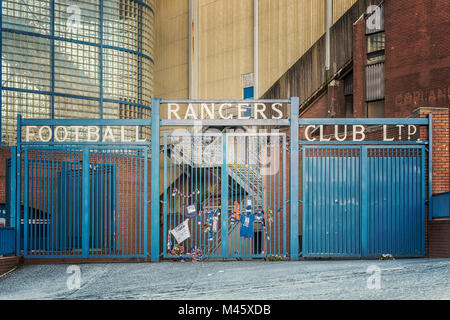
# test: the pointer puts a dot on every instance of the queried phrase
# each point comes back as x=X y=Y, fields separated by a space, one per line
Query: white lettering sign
x=358 y=133
x=91 y=134
x=224 y=111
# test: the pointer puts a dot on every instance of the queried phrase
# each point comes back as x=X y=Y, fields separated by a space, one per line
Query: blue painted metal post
x=85 y=205
x=12 y=189
x=224 y=201
x=430 y=166
x=295 y=104
x=364 y=202
x=155 y=180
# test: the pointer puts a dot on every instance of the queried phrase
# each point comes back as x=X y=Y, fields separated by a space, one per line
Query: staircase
x=197 y=155
x=250 y=179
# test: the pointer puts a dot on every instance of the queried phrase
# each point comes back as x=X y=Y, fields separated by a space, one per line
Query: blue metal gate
x=84 y=202
x=331 y=201
x=395 y=193
x=81 y=199
x=363 y=201
x=221 y=189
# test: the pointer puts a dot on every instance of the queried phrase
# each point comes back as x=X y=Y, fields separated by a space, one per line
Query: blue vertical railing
x=390 y=193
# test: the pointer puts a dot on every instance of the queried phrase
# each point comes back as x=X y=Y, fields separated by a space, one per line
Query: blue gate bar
x=85 y=122
x=25 y=206
x=85 y=204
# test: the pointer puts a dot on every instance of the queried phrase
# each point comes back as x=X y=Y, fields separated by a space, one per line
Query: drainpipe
x=193 y=49
x=193 y=56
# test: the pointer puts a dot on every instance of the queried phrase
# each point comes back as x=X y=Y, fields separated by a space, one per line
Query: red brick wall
x=417 y=55
x=317 y=109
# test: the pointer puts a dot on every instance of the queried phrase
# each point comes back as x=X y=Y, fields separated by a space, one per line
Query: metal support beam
x=155 y=220
x=295 y=104
x=227 y=122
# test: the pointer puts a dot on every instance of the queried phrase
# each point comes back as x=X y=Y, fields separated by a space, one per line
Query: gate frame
x=294 y=103
x=224 y=189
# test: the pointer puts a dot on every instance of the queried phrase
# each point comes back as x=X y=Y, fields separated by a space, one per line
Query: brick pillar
x=359 y=62
x=438 y=230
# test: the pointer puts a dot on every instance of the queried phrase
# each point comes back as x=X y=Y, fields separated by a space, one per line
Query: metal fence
x=81 y=199
x=363 y=201
x=313 y=198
